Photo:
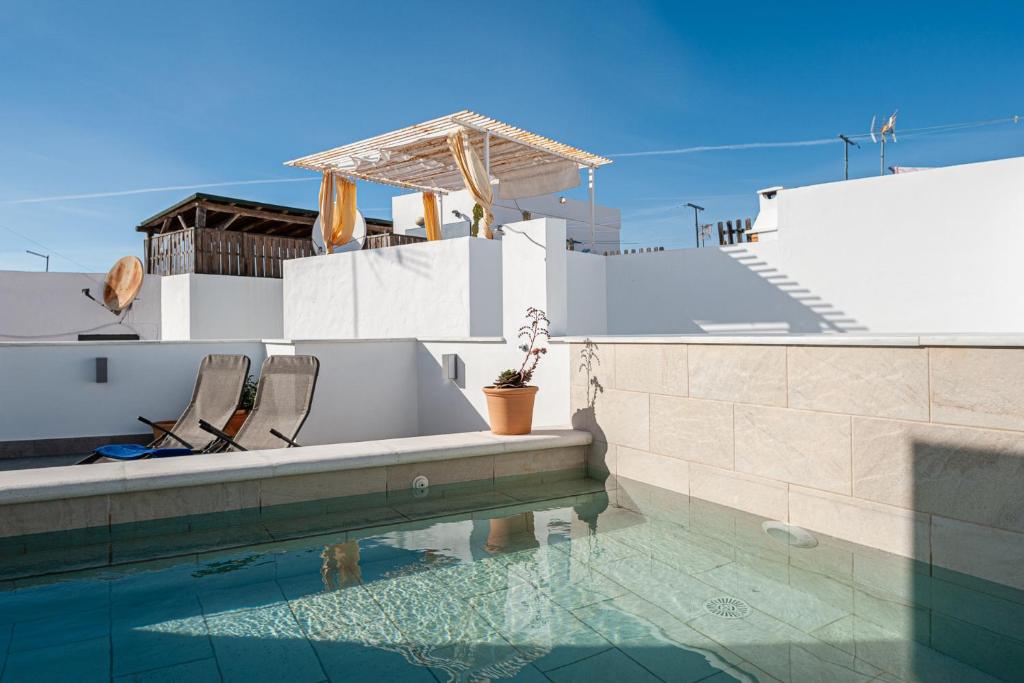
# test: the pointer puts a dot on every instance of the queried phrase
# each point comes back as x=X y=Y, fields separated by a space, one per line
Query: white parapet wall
x=450 y=288
x=221 y=307
x=51 y=307
x=366 y=389
x=928 y=252
x=50 y=389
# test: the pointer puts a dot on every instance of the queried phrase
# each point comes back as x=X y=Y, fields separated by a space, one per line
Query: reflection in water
x=340 y=567
x=592 y=586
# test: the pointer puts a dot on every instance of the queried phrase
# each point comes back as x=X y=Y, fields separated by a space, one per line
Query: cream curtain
x=431 y=220
x=475 y=177
x=337 y=210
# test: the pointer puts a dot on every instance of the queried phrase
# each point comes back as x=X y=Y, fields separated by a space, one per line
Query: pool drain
x=727 y=608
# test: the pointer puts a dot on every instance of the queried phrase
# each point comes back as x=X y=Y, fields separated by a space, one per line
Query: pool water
x=628 y=584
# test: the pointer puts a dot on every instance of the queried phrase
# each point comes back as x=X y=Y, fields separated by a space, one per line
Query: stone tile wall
x=914 y=450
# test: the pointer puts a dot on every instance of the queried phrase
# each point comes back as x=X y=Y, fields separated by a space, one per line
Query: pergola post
x=487 y=155
x=593 y=232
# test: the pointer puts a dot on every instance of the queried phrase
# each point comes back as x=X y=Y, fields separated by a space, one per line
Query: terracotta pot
x=233 y=424
x=510 y=410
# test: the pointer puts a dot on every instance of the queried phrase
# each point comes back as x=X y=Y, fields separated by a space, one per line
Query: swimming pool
x=629 y=584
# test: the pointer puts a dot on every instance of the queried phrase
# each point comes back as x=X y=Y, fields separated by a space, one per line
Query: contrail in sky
x=713 y=148
x=147 y=190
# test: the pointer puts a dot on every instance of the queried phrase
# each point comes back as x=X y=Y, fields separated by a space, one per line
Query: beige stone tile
x=400 y=477
x=651 y=468
x=808 y=448
x=745 y=492
x=323 y=485
x=693 y=429
x=622 y=418
x=960 y=472
x=885 y=527
x=980 y=551
x=596 y=364
x=52 y=515
x=533 y=462
x=654 y=368
x=876 y=381
x=139 y=506
x=745 y=374
x=979 y=387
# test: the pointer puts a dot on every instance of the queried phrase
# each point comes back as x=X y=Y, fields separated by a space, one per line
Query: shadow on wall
x=588 y=367
x=731 y=289
x=442 y=401
x=970 y=599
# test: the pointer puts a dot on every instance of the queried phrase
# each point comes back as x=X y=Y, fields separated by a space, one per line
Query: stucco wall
x=51 y=307
x=419 y=290
x=916 y=450
x=221 y=307
x=365 y=390
x=406 y=209
x=50 y=390
x=927 y=252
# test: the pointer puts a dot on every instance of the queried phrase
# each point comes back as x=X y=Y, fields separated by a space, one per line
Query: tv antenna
x=887 y=129
x=846 y=154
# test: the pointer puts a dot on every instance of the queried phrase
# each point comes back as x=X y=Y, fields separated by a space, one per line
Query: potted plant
x=510 y=398
x=244 y=406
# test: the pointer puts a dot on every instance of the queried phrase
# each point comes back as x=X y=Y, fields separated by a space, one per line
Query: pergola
x=418 y=157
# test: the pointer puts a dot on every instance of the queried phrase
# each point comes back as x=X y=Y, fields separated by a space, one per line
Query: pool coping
x=79 y=481
x=821 y=339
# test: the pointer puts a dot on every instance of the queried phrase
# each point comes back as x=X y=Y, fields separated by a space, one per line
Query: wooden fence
x=390 y=239
x=727 y=234
x=223 y=252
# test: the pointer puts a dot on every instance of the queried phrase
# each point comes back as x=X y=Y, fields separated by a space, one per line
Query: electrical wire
x=911 y=132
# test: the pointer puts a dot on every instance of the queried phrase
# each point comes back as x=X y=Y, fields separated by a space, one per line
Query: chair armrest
x=166 y=431
x=206 y=426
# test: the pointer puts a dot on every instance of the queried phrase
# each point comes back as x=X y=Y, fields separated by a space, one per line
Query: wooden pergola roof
x=418 y=158
x=240 y=215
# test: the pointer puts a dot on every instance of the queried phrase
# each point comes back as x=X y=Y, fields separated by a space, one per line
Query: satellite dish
x=358 y=236
x=122 y=283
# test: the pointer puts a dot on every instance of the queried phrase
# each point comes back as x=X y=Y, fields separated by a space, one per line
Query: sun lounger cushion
x=134 y=451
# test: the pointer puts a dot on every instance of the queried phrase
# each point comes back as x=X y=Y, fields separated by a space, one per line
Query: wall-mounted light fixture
x=450 y=365
x=562 y=200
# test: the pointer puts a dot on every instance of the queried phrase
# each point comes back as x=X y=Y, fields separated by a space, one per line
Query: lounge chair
x=284 y=397
x=214 y=400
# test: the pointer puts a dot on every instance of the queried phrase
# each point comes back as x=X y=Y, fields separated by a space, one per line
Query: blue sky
x=106 y=97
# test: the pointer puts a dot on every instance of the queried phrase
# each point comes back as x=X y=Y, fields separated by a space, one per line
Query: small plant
x=478 y=214
x=533 y=333
x=248 y=394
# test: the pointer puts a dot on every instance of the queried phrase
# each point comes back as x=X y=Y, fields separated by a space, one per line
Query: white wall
x=221 y=307
x=365 y=390
x=406 y=209
x=928 y=252
x=51 y=307
x=587 y=302
x=449 y=288
x=447 y=406
x=533 y=266
x=49 y=390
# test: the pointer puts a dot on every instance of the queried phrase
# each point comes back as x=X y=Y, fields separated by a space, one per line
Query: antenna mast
x=888 y=128
x=846 y=154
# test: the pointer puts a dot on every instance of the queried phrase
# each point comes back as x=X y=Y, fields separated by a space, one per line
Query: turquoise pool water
x=631 y=584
